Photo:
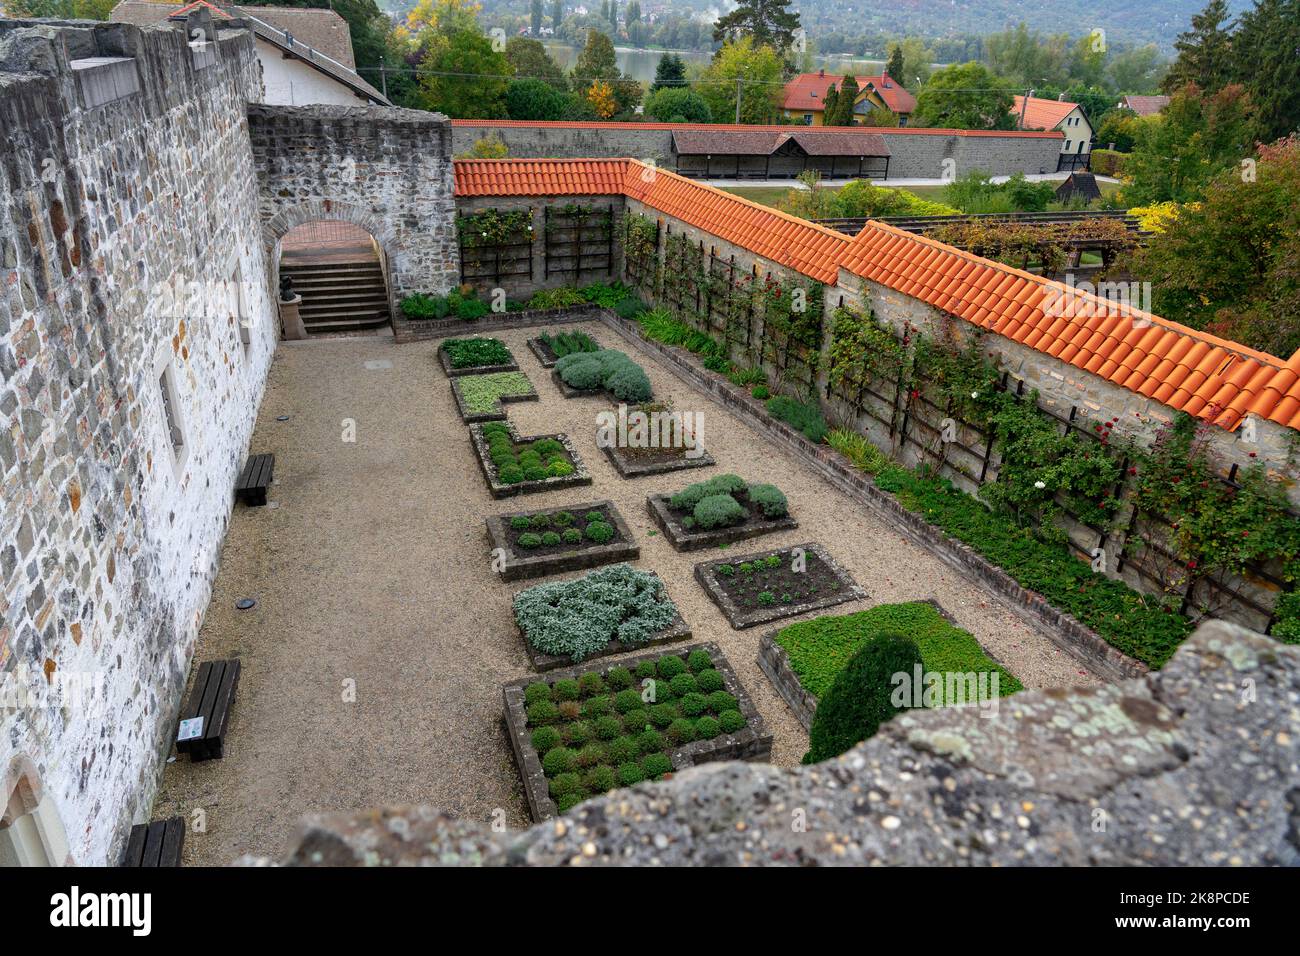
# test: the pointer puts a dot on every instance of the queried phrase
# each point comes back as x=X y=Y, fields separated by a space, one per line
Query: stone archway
x=386 y=170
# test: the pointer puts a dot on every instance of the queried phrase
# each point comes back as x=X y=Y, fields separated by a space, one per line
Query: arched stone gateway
x=388 y=171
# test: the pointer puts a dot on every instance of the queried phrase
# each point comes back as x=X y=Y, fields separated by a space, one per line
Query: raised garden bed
x=530 y=544
x=608 y=372
x=657 y=444
x=608 y=611
x=692 y=518
x=550 y=347
x=802 y=659
x=482 y=398
x=608 y=735
x=520 y=466
x=757 y=588
x=478 y=356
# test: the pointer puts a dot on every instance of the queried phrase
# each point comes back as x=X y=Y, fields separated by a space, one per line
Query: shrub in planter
x=661 y=715
x=566 y=343
x=543 y=712
x=656 y=765
x=691 y=495
x=576 y=734
x=535 y=692
x=623 y=749
x=566 y=690
x=609 y=369
x=626 y=701
x=591 y=684
x=597 y=707
x=680 y=731
x=731 y=721
x=709 y=681
x=591 y=755
x=629 y=383
x=545 y=738
x=581 y=370
x=537 y=522
x=559 y=469
x=683 y=684
x=608 y=727
x=519 y=522
x=535 y=473
x=471 y=353
x=561 y=519
x=571 y=536
x=802 y=416
x=569 y=709
x=650 y=740
x=692 y=705
x=669 y=666
x=599 y=532
x=706 y=728
x=600 y=779
x=530 y=540
x=645 y=669
x=761 y=392
x=629 y=774
x=557 y=760
x=565 y=784
x=769 y=500
x=635 y=720
x=421 y=306
x=619 y=678
x=550 y=539
x=699 y=660
x=859 y=700
x=718 y=511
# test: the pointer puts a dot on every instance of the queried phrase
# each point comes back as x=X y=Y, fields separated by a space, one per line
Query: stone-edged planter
x=629 y=467
x=445 y=361
x=774 y=662
x=543 y=354
x=568 y=391
x=498 y=489
x=683 y=539
x=1062 y=628
x=741 y=618
x=677 y=630
x=522 y=563
x=752 y=742
x=498 y=413
x=423 y=330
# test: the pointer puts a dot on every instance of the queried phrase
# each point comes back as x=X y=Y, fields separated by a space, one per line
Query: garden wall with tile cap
x=121 y=227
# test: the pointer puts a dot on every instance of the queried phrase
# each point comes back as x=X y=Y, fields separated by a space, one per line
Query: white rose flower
x=1040 y=485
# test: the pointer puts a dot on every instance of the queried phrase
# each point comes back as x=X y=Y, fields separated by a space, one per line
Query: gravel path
x=370 y=570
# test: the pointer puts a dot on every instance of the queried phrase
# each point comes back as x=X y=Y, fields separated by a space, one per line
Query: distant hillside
x=1125 y=21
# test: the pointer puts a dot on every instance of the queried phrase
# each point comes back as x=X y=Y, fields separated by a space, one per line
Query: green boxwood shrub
x=550 y=539
x=571 y=536
x=626 y=701
x=681 y=731
x=645 y=669
x=699 y=660
x=656 y=765
x=519 y=522
x=564 y=784
x=731 y=721
x=619 y=678
x=709 y=681
x=859 y=699
x=600 y=779
x=636 y=720
x=557 y=760
x=692 y=705
x=596 y=707
x=623 y=749
x=566 y=690
x=543 y=712
x=599 y=532
x=608 y=727
x=683 y=684
x=670 y=665
x=545 y=738
x=650 y=741
x=630 y=774
x=661 y=715
x=530 y=540
x=561 y=519
x=537 y=691
x=720 y=700
x=591 y=755
x=706 y=728
x=577 y=733
x=569 y=801
x=591 y=683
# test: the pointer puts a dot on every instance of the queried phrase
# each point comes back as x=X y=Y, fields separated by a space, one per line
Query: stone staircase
x=339 y=296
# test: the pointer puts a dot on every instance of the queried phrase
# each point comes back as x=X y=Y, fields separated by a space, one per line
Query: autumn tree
x=752 y=70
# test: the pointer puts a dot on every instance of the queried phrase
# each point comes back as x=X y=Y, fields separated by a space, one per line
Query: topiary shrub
x=650 y=741
x=619 y=678
x=630 y=774
x=564 y=784
x=566 y=690
x=720 y=700
x=591 y=684
x=536 y=522
x=600 y=779
x=718 y=511
x=571 y=536
x=669 y=666
x=561 y=519
x=681 y=731
x=683 y=684
x=626 y=701
x=577 y=733
x=608 y=727
x=530 y=540
x=656 y=765
x=591 y=755
x=599 y=532
x=661 y=715
x=692 y=705
x=731 y=721
x=635 y=720
x=859 y=700
x=559 y=469
x=536 y=473
x=596 y=707
x=510 y=475
x=537 y=691
x=557 y=760
x=709 y=681
x=543 y=712
x=550 y=539
x=623 y=749
x=706 y=728
x=545 y=738
x=769 y=500
x=519 y=522
x=645 y=669
x=699 y=660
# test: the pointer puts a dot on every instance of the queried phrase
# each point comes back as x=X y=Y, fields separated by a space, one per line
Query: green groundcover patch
x=820 y=647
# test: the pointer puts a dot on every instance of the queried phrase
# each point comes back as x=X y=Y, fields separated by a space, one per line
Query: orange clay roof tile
x=1188 y=370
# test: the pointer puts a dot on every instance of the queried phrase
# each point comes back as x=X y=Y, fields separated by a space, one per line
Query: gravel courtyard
x=371 y=571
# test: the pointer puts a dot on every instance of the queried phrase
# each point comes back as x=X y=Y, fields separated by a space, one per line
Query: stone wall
x=914 y=153
x=384 y=169
x=132 y=293
x=1179 y=768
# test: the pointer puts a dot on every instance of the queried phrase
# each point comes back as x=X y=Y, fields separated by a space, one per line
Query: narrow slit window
x=171 y=415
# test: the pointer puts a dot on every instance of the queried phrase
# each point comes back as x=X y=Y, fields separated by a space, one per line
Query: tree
x=633 y=13
x=765 y=22
x=528 y=59
x=1137 y=70
x=463 y=77
x=537 y=18
x=1178 y=152
x=861 y=697
x=1266 y=60
x=675 y=104
x=965 y=96
x=759 y=70
x=671 y=71
x=841 y=114
x=601 y=97
x=598 y=62
x=830 y=105
x=1231 y=263
x=557 y=16
x=1204 y=51
x=917 y=58
x=1119 y=127
x=530 y=99
x=895 y=66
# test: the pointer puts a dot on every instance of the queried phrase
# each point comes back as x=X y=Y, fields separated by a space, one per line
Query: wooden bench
x=210 y=701
x=255 y=479
x=155 y=844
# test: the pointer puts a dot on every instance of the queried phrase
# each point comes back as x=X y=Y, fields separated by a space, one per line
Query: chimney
x=822 y=72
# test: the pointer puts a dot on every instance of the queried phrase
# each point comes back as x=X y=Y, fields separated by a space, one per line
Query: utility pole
x=738 y=95
x=1023 y=104
x=383 y=76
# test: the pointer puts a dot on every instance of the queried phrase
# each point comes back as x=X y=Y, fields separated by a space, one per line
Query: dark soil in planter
x=578 y=520
x=771 y=588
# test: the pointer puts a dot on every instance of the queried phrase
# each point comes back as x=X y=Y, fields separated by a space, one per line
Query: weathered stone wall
x=387 y=170
x=130 y=252
x=913 y=154
x=1191 y=766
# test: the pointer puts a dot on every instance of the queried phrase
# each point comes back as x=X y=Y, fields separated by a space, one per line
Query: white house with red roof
x=1037 y=113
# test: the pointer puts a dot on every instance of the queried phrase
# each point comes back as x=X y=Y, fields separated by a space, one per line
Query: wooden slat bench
x=211 y=700
x=255 y=479
x=155 y=844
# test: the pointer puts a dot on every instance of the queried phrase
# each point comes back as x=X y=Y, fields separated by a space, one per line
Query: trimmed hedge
x=609 y=369
x=819 y=649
